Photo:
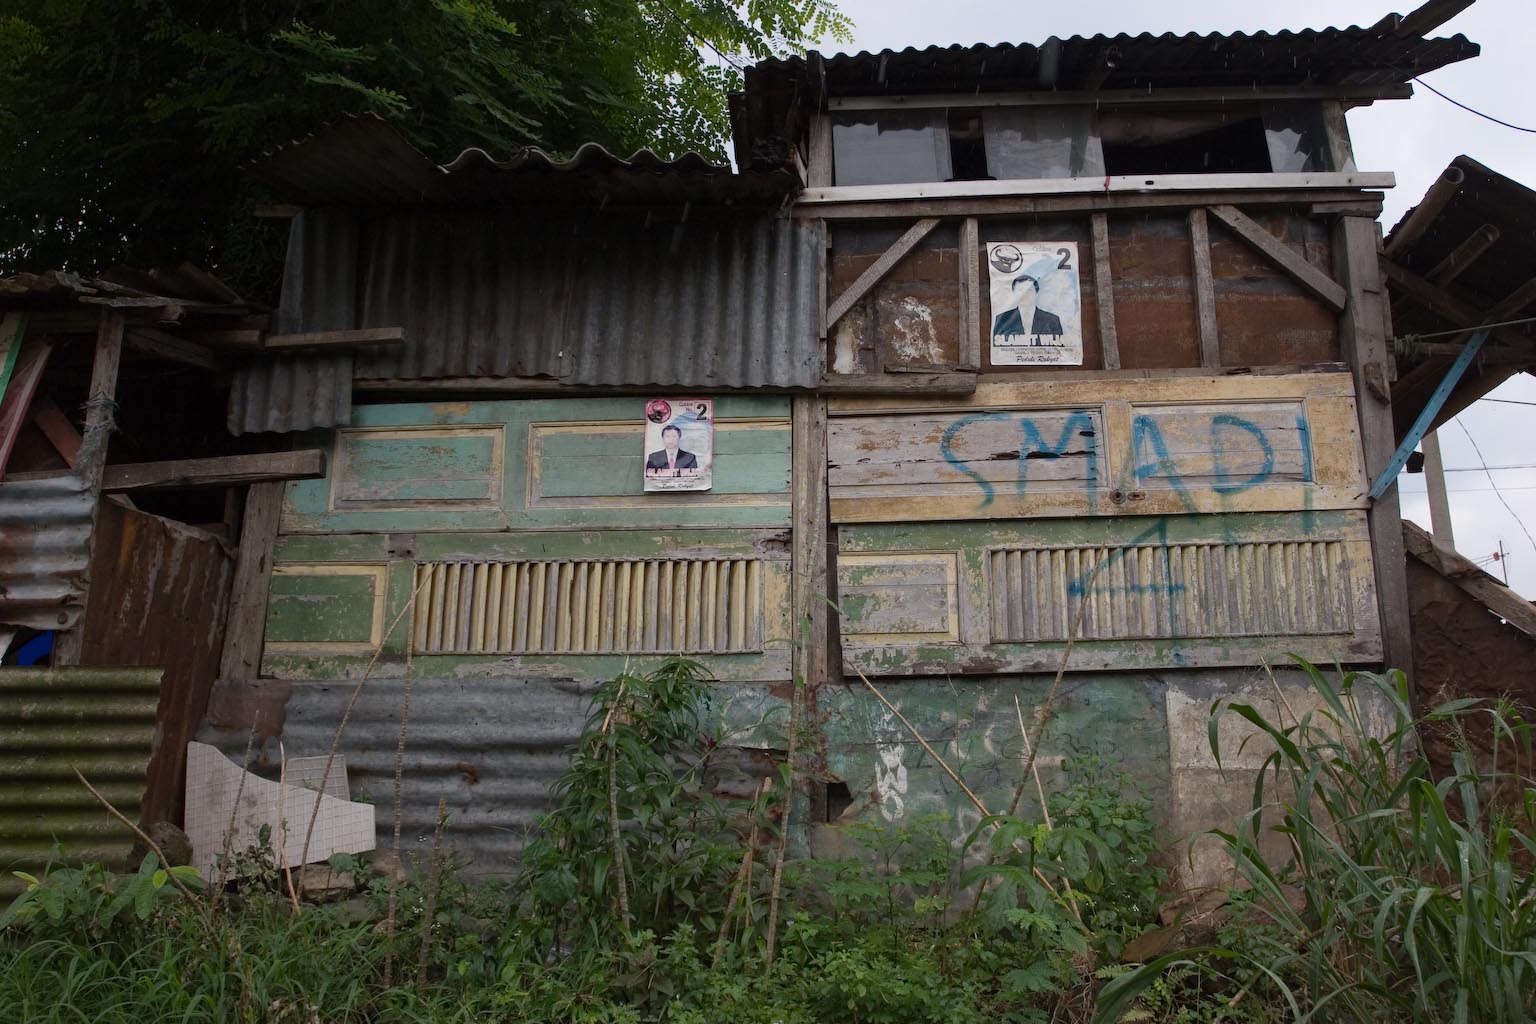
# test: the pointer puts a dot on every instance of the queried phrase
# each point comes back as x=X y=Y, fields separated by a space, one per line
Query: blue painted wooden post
x=1431 y=410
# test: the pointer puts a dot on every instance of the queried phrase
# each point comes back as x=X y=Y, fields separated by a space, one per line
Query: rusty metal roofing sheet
x=45 y=530
x=599 y=301
x=491 y=749
x=363 y=161
x=52 y=721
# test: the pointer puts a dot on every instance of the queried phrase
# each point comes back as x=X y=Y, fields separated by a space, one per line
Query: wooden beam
x=808 y=551
x=1104 y=291
x=247 y=338
x=55 y=426
x=1304 y=273
x=970 y=295
x=101 y=399
x=241 y=658
x=947 y=383
x=1336 y=131
x=1489 y=592
x=1423 y=215
x=1356 y=202
x=152 y=341
x=819 y=167
x=307 y=464
x=336 y=339
x=1134 y=183
x=1205 y=288
x=1203 y=95
x=867 y=280
x=1460 y=258
x=1364 y=338
x=1428 y=17
x=1433 y=297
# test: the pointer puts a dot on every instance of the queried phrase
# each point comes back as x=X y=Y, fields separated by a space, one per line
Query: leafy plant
x=1404 y=897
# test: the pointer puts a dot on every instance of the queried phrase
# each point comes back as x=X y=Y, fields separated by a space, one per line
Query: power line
x=1506 y=401
x=1488 y=469
x=1472 y=110
x=1495 y=484
x=1464 y=330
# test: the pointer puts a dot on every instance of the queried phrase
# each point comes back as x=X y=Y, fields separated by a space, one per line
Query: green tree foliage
x=124 y=124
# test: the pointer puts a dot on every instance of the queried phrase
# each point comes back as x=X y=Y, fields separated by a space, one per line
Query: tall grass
x=1403 y=897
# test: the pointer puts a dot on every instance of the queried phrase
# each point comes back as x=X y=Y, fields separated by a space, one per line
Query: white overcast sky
x=1414 y=138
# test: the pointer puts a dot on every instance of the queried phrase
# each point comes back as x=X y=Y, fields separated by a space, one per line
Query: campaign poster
x=679 y=444
x=1036 y=313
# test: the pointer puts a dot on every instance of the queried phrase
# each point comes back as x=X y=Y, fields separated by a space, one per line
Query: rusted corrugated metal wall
x=491 y=749
x=53 y=721
x=45 y=530
x=711 y=303
x=159 y=597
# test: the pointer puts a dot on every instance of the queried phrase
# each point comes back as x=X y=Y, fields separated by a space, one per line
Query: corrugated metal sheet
x=159 y=597
x=712 y=302
x=690 y=606
x=1284 y=588
x=52 y=721
x=491 y=749
x=45 y=531
x=776 y=89
x=363 y=161
x=305 y=391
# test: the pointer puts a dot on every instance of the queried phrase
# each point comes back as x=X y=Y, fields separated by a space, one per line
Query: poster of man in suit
x=1036 y=304
x=679 y=444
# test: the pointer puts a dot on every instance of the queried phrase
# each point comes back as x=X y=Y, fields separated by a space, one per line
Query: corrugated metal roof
x=491 y=749
x=1330 y=56
x=363 y=161
x=45 y=530
x=1483 y=197
x=597 y=300
x=52 y=721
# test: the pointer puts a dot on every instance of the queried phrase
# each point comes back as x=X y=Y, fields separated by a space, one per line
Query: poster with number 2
x=1036 y=309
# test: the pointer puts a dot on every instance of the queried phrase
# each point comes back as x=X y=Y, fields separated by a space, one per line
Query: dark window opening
x=1184 y=143
x=967 y=147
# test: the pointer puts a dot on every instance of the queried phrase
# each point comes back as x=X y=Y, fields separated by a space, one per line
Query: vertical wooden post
x=1364 y=339
x=970 y=296
x=819 y=169
x=1205 y=287
x=1439 y=500
x=808 y=553
x=243 y=629
x=1104 y=292
x=91 y=462
x=1336 y=130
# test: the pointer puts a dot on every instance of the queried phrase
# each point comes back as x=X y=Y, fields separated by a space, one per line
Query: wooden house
x=1037 y=376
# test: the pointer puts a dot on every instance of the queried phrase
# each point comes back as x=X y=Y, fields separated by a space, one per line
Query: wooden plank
x=970 y=295
x=1336 y=131
x=1427 y=17
x=819 y=166
x=335 y=339
x=945 y=383
x=224 y=471
x=1460 y=258
x=1005 y=391
x=17 y=402
x=1205 y=288
x=808 y=552
x=1495 y=596
x=1201 y=95
x=248 y=593
x=1433 y=297
x=152 y=341
x=1412 y=228
x=240 y=338
x=867 y=280
x=55 y=426
x=1364 y=340
x=1104 y=289
x=1366 y=203
x=1299 y=181
x=101 y=399
x=1304 y=273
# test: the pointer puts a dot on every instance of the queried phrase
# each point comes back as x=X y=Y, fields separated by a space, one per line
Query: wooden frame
x=1205 y=96
x=1105 y=185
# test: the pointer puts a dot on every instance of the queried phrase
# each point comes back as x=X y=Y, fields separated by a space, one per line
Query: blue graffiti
x=1144 y=430
x=1157 y=534
x=1033 y=445
x=946 y=442
x=1224 y=483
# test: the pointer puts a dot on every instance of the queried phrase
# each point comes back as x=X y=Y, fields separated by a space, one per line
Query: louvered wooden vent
x=661 y=606
x=1155 y=591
